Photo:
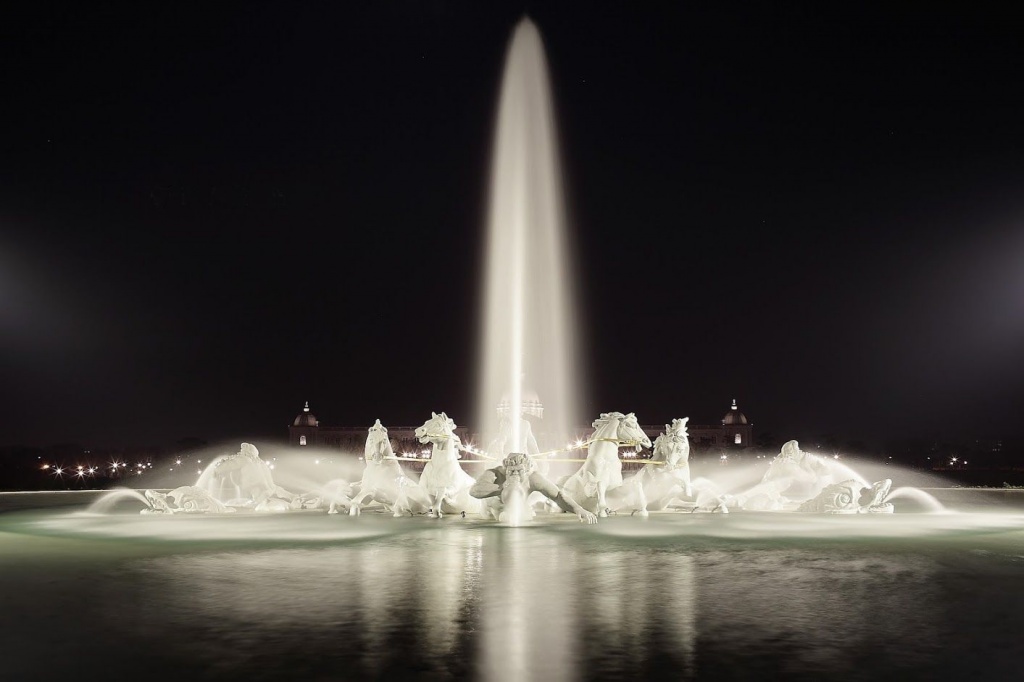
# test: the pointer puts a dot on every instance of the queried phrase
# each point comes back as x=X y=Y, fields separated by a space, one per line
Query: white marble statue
x=503 y=444
x=384 y=481
x=443 y=479
x=846 y=497
x=793 y=477
x=602 y=470
x=238 y=481
x=664 y=479
x=506 y=489
x=187 y=499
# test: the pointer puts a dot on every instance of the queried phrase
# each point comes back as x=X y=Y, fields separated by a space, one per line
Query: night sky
x=212 y=213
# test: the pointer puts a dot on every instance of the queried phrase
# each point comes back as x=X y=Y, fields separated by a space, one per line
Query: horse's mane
x=447 y=421
x=677 y=429
x=675 y=434
x=380 y=433
x=608 y=417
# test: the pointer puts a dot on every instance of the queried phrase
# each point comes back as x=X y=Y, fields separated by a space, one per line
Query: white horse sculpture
x=443 y=480
x=602 y=471
x=666 y=477
x=384 y=481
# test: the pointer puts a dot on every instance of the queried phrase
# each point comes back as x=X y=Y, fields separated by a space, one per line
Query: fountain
x=229 y=483
x=528 y=319
x=507 y=488
x=528 y=330
x=205 y=586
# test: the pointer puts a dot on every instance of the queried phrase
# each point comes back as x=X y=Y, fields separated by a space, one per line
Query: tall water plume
x=528 y=320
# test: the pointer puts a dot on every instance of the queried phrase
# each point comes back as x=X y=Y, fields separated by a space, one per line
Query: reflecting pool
x=315 y=597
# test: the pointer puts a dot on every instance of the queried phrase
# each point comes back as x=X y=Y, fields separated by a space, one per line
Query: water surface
x=317 y=597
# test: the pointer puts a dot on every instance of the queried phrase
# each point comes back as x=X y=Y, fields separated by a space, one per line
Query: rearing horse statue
x=602 y=470
x=443 y=479
x=666 y=477
x=383 y=479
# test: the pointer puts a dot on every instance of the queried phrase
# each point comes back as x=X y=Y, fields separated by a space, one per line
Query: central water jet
x=528 y=312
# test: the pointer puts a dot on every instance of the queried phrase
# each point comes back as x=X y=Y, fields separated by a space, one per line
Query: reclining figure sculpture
x=506 y=487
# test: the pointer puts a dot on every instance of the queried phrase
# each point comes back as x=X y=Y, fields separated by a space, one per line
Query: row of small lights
x=116 y=469
x=81 y=471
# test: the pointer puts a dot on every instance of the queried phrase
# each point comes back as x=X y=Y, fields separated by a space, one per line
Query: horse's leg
x=401 y=502
x=357 y=502
x=641 y=495
x=602 y=503
x=334 y=502
x=435 y=504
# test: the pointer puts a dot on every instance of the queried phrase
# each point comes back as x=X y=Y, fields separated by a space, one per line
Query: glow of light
x=177 y=461
x=45 y=467
x=835 y=456
x=317 y=462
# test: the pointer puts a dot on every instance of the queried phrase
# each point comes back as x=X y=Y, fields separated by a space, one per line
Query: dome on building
x=306 y=418
x=734 y=416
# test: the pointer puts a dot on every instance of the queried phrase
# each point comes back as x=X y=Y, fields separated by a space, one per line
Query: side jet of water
x=230 y=482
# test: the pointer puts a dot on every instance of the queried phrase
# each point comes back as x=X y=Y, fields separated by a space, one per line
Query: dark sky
x=211 y=213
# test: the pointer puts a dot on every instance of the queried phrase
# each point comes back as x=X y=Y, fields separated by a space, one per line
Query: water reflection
x=641 y=616
x=529 y=620
x=527 y=603
x=809 y=611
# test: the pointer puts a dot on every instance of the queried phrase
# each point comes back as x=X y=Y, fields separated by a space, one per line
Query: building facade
x=734 y=431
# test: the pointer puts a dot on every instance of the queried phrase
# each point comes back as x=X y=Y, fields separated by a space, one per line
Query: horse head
x=630 y=433
x=437 y=430
x=677 y=429
x=674 y=444
x=378 y=445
